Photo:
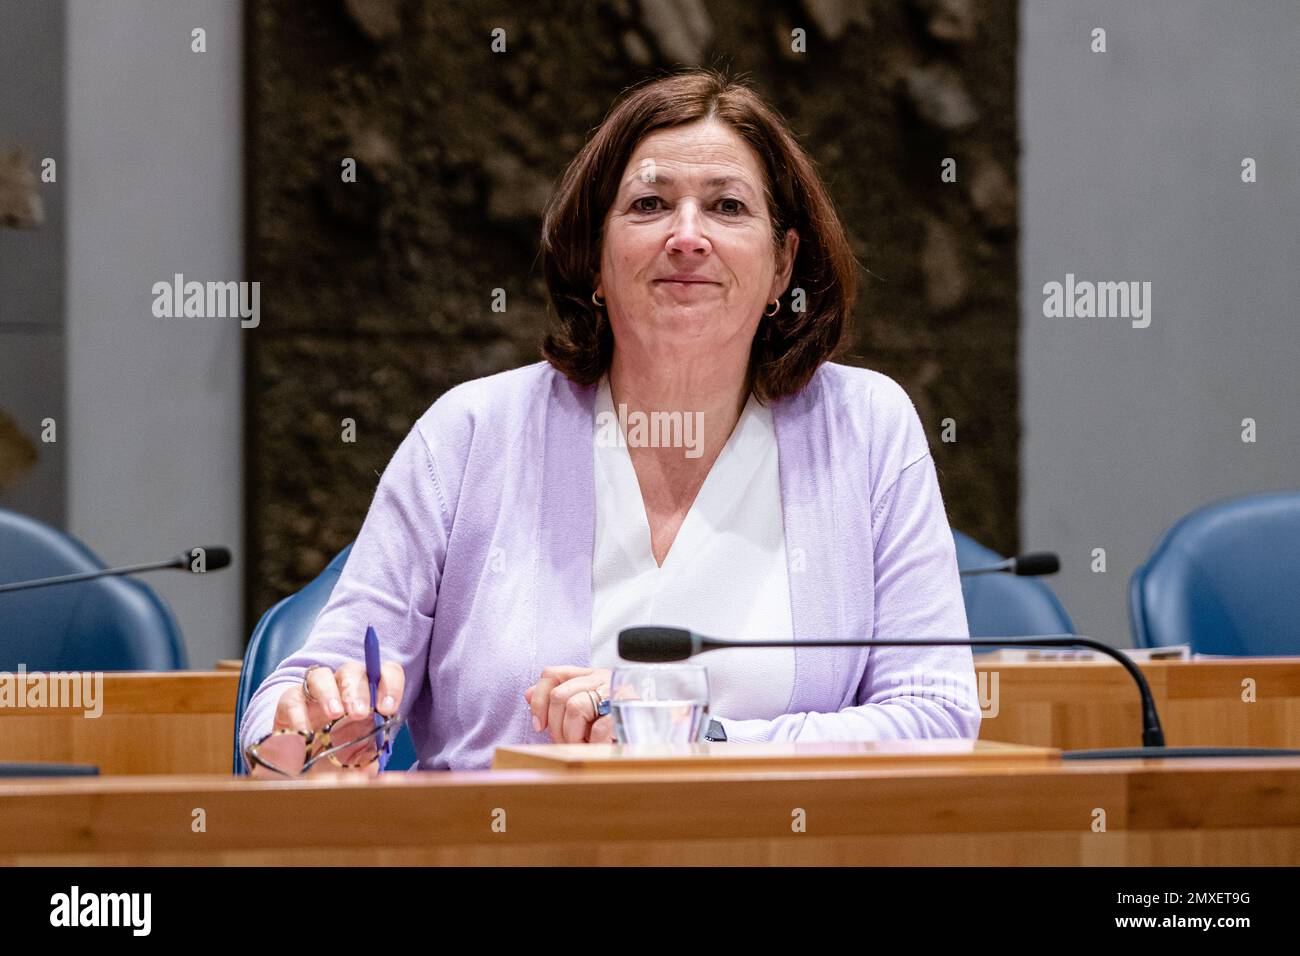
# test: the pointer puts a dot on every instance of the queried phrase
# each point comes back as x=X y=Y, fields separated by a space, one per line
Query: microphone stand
x=1153 y=735
x=217 y=557
x=178 y=562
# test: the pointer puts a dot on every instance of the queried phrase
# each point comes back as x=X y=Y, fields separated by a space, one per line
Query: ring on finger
x=306 y=688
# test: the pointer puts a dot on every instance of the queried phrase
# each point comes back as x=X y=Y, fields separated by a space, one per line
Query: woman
x=700 y=278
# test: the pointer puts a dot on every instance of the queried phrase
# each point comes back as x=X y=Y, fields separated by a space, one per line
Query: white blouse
x=725 y=574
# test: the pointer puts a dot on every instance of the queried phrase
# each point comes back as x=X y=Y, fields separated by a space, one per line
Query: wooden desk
x=1171 y=812
x=1084 y=704
x=151 y=723
x=183 y=722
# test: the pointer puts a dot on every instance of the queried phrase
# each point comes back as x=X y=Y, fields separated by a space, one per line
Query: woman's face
x=687 y=260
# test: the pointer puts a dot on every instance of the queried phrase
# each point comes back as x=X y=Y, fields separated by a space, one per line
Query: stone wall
x=376 y=294
x=20 y=208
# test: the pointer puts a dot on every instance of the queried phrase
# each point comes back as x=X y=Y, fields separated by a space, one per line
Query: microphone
x=215 y=558
x=1034 y=564
x=658 y=645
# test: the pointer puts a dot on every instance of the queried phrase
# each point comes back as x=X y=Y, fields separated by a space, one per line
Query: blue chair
x=109 y=624
x=1224 y=580
x=282 y=631
x=1003 y=605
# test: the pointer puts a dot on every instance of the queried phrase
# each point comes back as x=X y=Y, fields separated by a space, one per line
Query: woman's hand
x=334 y=694
x=561 y=705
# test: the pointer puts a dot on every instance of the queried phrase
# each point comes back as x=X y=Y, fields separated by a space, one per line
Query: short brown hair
x=787 y=348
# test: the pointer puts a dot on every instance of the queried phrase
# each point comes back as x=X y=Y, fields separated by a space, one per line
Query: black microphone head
x=218 y=558
x=214 y=558
x=654 y=645
x=1036 y=563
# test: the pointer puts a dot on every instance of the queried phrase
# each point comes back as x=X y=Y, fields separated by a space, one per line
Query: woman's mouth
x=684 y=283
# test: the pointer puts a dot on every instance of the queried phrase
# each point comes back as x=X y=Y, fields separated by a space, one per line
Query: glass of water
x=659 y=703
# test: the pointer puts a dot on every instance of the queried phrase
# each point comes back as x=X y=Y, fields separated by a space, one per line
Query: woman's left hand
x=561 y=704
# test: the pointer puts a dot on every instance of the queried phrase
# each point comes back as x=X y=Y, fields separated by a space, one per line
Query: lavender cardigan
x=474 y=566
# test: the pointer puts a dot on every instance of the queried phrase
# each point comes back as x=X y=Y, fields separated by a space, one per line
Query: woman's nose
x=687 y=230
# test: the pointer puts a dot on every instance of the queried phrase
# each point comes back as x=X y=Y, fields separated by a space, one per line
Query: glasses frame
x=318 y=745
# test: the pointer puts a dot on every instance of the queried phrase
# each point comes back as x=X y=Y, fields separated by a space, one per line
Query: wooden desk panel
x=171 y=722
x=1084 y=704
x=183 y=722
x=1172 y=812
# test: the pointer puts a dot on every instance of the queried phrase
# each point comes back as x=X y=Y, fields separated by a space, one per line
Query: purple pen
x=373 y=672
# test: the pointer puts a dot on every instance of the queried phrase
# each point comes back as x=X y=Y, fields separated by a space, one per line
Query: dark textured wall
x=376 y=295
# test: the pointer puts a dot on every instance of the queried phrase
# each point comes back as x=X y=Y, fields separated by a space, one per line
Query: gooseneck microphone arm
x=215 y=558
x=1153 y=734
x=666 y=644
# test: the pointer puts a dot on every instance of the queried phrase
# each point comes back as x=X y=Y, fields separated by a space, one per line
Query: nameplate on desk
x=829 y=755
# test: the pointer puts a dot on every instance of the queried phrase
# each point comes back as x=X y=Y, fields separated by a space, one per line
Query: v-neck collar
x=726 y=472
x=823 y=559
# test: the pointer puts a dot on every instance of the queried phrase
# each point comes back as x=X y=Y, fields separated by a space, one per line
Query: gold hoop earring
x=600 y=303
x=774 y=311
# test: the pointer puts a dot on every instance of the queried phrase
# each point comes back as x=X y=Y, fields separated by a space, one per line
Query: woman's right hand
x=333 y=695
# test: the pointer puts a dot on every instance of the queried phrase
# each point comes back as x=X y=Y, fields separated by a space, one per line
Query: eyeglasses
x=348 y=743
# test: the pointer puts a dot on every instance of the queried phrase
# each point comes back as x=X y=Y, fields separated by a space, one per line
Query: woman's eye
x=739 y=206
